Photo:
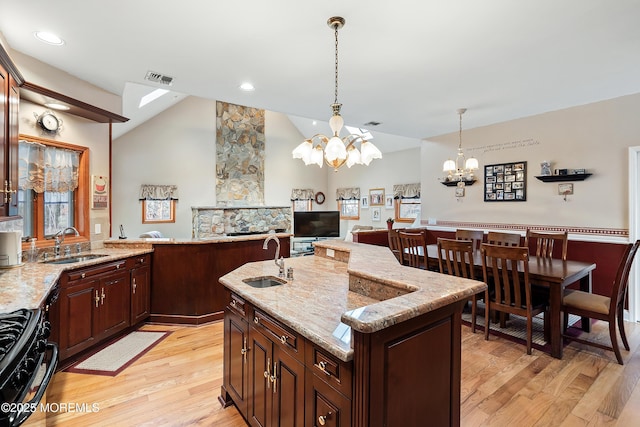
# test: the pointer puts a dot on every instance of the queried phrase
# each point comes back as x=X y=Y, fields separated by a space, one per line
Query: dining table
x=554 y=274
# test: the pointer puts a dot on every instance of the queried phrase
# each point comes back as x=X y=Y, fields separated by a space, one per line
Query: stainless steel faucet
x=279 y=262
x=59 y=239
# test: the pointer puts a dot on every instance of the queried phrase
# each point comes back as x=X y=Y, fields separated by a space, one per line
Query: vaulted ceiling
x=406 y=64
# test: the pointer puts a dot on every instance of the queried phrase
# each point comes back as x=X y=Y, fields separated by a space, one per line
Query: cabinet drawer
x=330 y=369
x=140 y=260
x=237 y=305
x=284 y=336
x=98 y=269
x=324 y=406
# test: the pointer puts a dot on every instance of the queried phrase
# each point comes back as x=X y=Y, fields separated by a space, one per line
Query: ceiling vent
x=372 y=123
x=152 y=76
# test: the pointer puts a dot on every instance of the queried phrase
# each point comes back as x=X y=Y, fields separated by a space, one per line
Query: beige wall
x=594 y=136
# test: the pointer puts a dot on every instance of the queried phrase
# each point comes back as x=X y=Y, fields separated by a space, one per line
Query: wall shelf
x=454 y=183
x=560 y=178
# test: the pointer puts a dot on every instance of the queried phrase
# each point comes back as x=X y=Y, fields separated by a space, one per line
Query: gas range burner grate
x=12 y=326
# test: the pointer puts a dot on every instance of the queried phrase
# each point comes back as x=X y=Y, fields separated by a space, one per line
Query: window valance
x=158 y=192
x=302 y=194
x=406 y=191
x=43 y=168
x=348 y=193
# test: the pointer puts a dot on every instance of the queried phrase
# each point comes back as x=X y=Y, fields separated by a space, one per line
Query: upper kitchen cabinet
x=9 y=103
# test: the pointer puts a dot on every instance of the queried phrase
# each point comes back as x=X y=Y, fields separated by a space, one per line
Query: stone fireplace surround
x=208 y=222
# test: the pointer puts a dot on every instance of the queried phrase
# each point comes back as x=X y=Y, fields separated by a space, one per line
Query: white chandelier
x=460 y=171
x=336 y=151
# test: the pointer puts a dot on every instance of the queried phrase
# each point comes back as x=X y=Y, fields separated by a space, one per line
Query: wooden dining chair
x=414 y=249
x=455 y=257
x=545 y=242
x=504 y=239
x=476 y=236
x=394 y=244
x=507 y=269
x=609 y=309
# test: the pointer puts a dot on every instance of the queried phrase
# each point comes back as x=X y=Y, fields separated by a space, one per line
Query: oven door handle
x=53 y=363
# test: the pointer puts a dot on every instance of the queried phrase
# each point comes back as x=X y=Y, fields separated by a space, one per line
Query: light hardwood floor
x=177 y=384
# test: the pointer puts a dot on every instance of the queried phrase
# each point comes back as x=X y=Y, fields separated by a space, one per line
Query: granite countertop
x=28 y=285
x=348 y=286
x=149 y=242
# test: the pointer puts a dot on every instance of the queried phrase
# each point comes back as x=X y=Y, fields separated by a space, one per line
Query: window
x=52 y=188
x=158 y=203
x=349 y=209
x=155 y=211
x=301 y=205
x=407 y=210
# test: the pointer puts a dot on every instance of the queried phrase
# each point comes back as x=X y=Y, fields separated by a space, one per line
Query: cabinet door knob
x=256 y=320
x=83 y=275
x=283 y=339
x=134 y=285
x=322 y=419
x=322 y=365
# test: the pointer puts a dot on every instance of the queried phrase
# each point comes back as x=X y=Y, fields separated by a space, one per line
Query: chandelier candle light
x=335 y=150
x=460 y=171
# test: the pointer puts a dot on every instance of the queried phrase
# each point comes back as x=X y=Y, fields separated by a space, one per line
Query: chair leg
x=547 y=324
x=565 y=322
x=614 y=341
x=620 y=316
x=487 y=309
x=529 y=333
x=474 y=306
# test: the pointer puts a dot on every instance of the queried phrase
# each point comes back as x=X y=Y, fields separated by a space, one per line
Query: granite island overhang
x=348 y=286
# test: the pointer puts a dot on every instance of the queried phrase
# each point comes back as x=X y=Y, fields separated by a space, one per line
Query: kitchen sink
x=72 y=259
x=264 y=282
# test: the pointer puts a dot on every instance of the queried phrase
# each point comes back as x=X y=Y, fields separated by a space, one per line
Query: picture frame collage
x=505 y=182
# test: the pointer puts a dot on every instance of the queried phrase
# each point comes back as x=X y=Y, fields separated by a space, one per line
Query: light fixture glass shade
x=316 y=157
x=471 y=164
x=353 y=156
x=335 y=123
x=303 y=151
x=449 y=166
x=368 y=152
x=335 y=149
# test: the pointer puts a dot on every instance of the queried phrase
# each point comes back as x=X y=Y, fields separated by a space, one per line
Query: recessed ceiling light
x=56 y=106
x=47 y=37
x=247 y=87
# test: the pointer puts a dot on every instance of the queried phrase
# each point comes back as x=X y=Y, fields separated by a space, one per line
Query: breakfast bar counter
x=348 y=341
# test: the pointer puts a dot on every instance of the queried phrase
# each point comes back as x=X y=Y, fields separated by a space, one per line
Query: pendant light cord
x=335 y=101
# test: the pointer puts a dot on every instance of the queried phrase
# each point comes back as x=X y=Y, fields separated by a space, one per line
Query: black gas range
x=27 y=364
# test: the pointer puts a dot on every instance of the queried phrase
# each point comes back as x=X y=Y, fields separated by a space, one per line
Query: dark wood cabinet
x=325 y=406
x=263 y=370
x=9 y=104
x=140 y=289
x=98 y=302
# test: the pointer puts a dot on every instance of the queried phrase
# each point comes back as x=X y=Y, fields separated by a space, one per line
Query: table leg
x=555 y=324
x=585 y=286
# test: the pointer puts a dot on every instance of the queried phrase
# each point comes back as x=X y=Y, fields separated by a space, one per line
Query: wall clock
x=319 y=197
x=48 y=121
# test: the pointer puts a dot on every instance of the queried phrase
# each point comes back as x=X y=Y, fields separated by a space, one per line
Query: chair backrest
x=414 y=248
x=508 y=267
x=501 y=238
x=621 y=284
x=545 y=242
x=455 y=257
x=394 y=244
x=476 y=236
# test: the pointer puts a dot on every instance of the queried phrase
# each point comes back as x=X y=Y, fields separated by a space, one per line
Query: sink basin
x=264 y=282
x=73 y=259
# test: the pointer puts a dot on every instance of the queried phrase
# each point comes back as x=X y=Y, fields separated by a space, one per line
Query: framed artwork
x=99 y=192
x=565 y=189
x=505 y=182
x=375 y=214
x=376 y=197
x=388 y=202
x=365 y=202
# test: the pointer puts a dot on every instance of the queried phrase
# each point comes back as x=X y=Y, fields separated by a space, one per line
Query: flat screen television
x=316 y=224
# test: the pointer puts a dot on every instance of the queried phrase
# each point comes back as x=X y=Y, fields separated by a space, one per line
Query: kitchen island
x=354 y=339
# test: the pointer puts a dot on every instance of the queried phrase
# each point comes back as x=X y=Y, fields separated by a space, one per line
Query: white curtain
x=406 y=191
x=43 y=168
x=302 y=194
x=348 y=193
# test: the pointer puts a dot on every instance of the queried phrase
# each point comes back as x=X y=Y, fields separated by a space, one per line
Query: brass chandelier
x=336 y=151
x=461 y=170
